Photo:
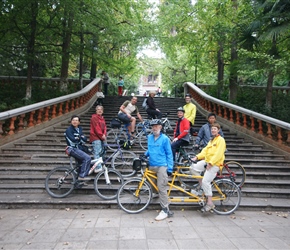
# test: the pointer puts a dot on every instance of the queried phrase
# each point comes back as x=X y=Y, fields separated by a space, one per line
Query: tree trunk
x=220 y=69
x=31 y=49
x=67 y=32
x=233 y=81
x=81 y=60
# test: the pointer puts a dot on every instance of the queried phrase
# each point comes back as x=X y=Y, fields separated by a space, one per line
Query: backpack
x=115 y=123
x=144 y=104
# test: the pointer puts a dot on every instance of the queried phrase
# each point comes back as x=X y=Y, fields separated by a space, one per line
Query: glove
x=169 y=172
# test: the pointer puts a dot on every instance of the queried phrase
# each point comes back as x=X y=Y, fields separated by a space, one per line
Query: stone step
x=25 y=164
x=92 y=201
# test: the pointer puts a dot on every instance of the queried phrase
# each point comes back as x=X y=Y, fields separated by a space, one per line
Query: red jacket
x=183 y=129
x=98 y=127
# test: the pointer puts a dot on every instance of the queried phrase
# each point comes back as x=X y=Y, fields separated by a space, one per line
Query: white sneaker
x=161 y=216
x=97 y=170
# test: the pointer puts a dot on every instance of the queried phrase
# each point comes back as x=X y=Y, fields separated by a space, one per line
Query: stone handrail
x=15 y=121
x=264 y=128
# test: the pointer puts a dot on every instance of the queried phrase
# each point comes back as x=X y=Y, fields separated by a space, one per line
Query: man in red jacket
x=181 y=132
x=98 y=132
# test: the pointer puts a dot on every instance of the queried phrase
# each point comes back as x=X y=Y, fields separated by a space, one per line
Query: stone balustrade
x=264 y=128
x=14 y=122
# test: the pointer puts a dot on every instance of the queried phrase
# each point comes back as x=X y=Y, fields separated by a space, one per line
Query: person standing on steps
x=98 y=132
x=159 y=91
x=120 y=86
x=106 y=82
x=190 y=112
x=160 y=161
x=74 y=139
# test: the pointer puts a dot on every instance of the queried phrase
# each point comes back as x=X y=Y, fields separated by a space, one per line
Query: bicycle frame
x=149 y=175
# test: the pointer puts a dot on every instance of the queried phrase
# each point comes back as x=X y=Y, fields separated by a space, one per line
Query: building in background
x=150 y=82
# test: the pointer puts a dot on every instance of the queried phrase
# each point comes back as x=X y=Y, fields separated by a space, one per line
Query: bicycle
x=120 y=159
x=166 y=124
x=135 y=194
x=231 y=169
x=121 y=136
x=61 y=181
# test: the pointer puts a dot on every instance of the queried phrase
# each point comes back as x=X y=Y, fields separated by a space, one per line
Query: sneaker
x=97 y=170
x=84 y=178
x=196 y=192
x=154 y=196
x=161 y=216
x=207 y=208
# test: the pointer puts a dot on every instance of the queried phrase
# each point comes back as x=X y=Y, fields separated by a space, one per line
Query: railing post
x=12 y=125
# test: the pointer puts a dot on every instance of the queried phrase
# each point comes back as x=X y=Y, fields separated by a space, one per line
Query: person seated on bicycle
x=152 y=110
x=204 y=134
x=190 y=112
x=98 y=132
x=125 y=114
x=212 y=157
x=74 y=139
x=181 y=132
x=161 y=162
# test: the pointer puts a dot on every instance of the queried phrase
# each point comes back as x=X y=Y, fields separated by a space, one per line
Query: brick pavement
x=115 y=229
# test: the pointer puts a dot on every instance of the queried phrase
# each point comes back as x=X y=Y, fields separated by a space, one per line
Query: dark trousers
x=106 y=88
x=154 y=113
x=176 y=145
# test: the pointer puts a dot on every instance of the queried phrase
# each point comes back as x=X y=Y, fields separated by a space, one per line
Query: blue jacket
x=75 y=138
x=204 y=135
x=159 y=152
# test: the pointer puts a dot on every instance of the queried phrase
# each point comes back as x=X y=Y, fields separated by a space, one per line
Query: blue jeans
x=83 y=159
x=98 y=146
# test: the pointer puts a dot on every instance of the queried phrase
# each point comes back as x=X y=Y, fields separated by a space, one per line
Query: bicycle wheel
x=167 y=126
x=123 y=162
x=134 y=198
x=226 y=196
x=108 y=191
x=139 y=126
x=116 y=136
x=60 y=182
x=235 y=171
x=143 y=139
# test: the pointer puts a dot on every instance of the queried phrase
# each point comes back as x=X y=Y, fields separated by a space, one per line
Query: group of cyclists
x=161 y=151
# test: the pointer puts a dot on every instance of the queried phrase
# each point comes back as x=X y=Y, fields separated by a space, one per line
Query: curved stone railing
x=16 y=123
x=267 y=129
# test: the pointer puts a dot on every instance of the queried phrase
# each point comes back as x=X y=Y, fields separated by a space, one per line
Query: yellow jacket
x=190 y=112
x=214 y=152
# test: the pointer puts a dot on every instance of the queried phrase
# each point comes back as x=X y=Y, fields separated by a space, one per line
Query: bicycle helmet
x=155 y=122
x=181 y=109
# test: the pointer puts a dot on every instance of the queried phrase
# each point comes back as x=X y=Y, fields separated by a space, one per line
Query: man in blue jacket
x=161 y=162
x=204 y=134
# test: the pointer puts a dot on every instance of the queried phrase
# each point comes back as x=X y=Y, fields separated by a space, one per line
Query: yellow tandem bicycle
x=135 y=194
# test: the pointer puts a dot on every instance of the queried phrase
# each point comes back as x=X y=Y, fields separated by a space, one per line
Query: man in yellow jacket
x=190 y=112
x=210 y=159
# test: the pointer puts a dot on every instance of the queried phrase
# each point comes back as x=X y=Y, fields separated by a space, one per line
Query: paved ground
x=115 y=229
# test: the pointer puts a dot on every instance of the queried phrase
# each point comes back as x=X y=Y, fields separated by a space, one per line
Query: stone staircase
x=25 y=163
